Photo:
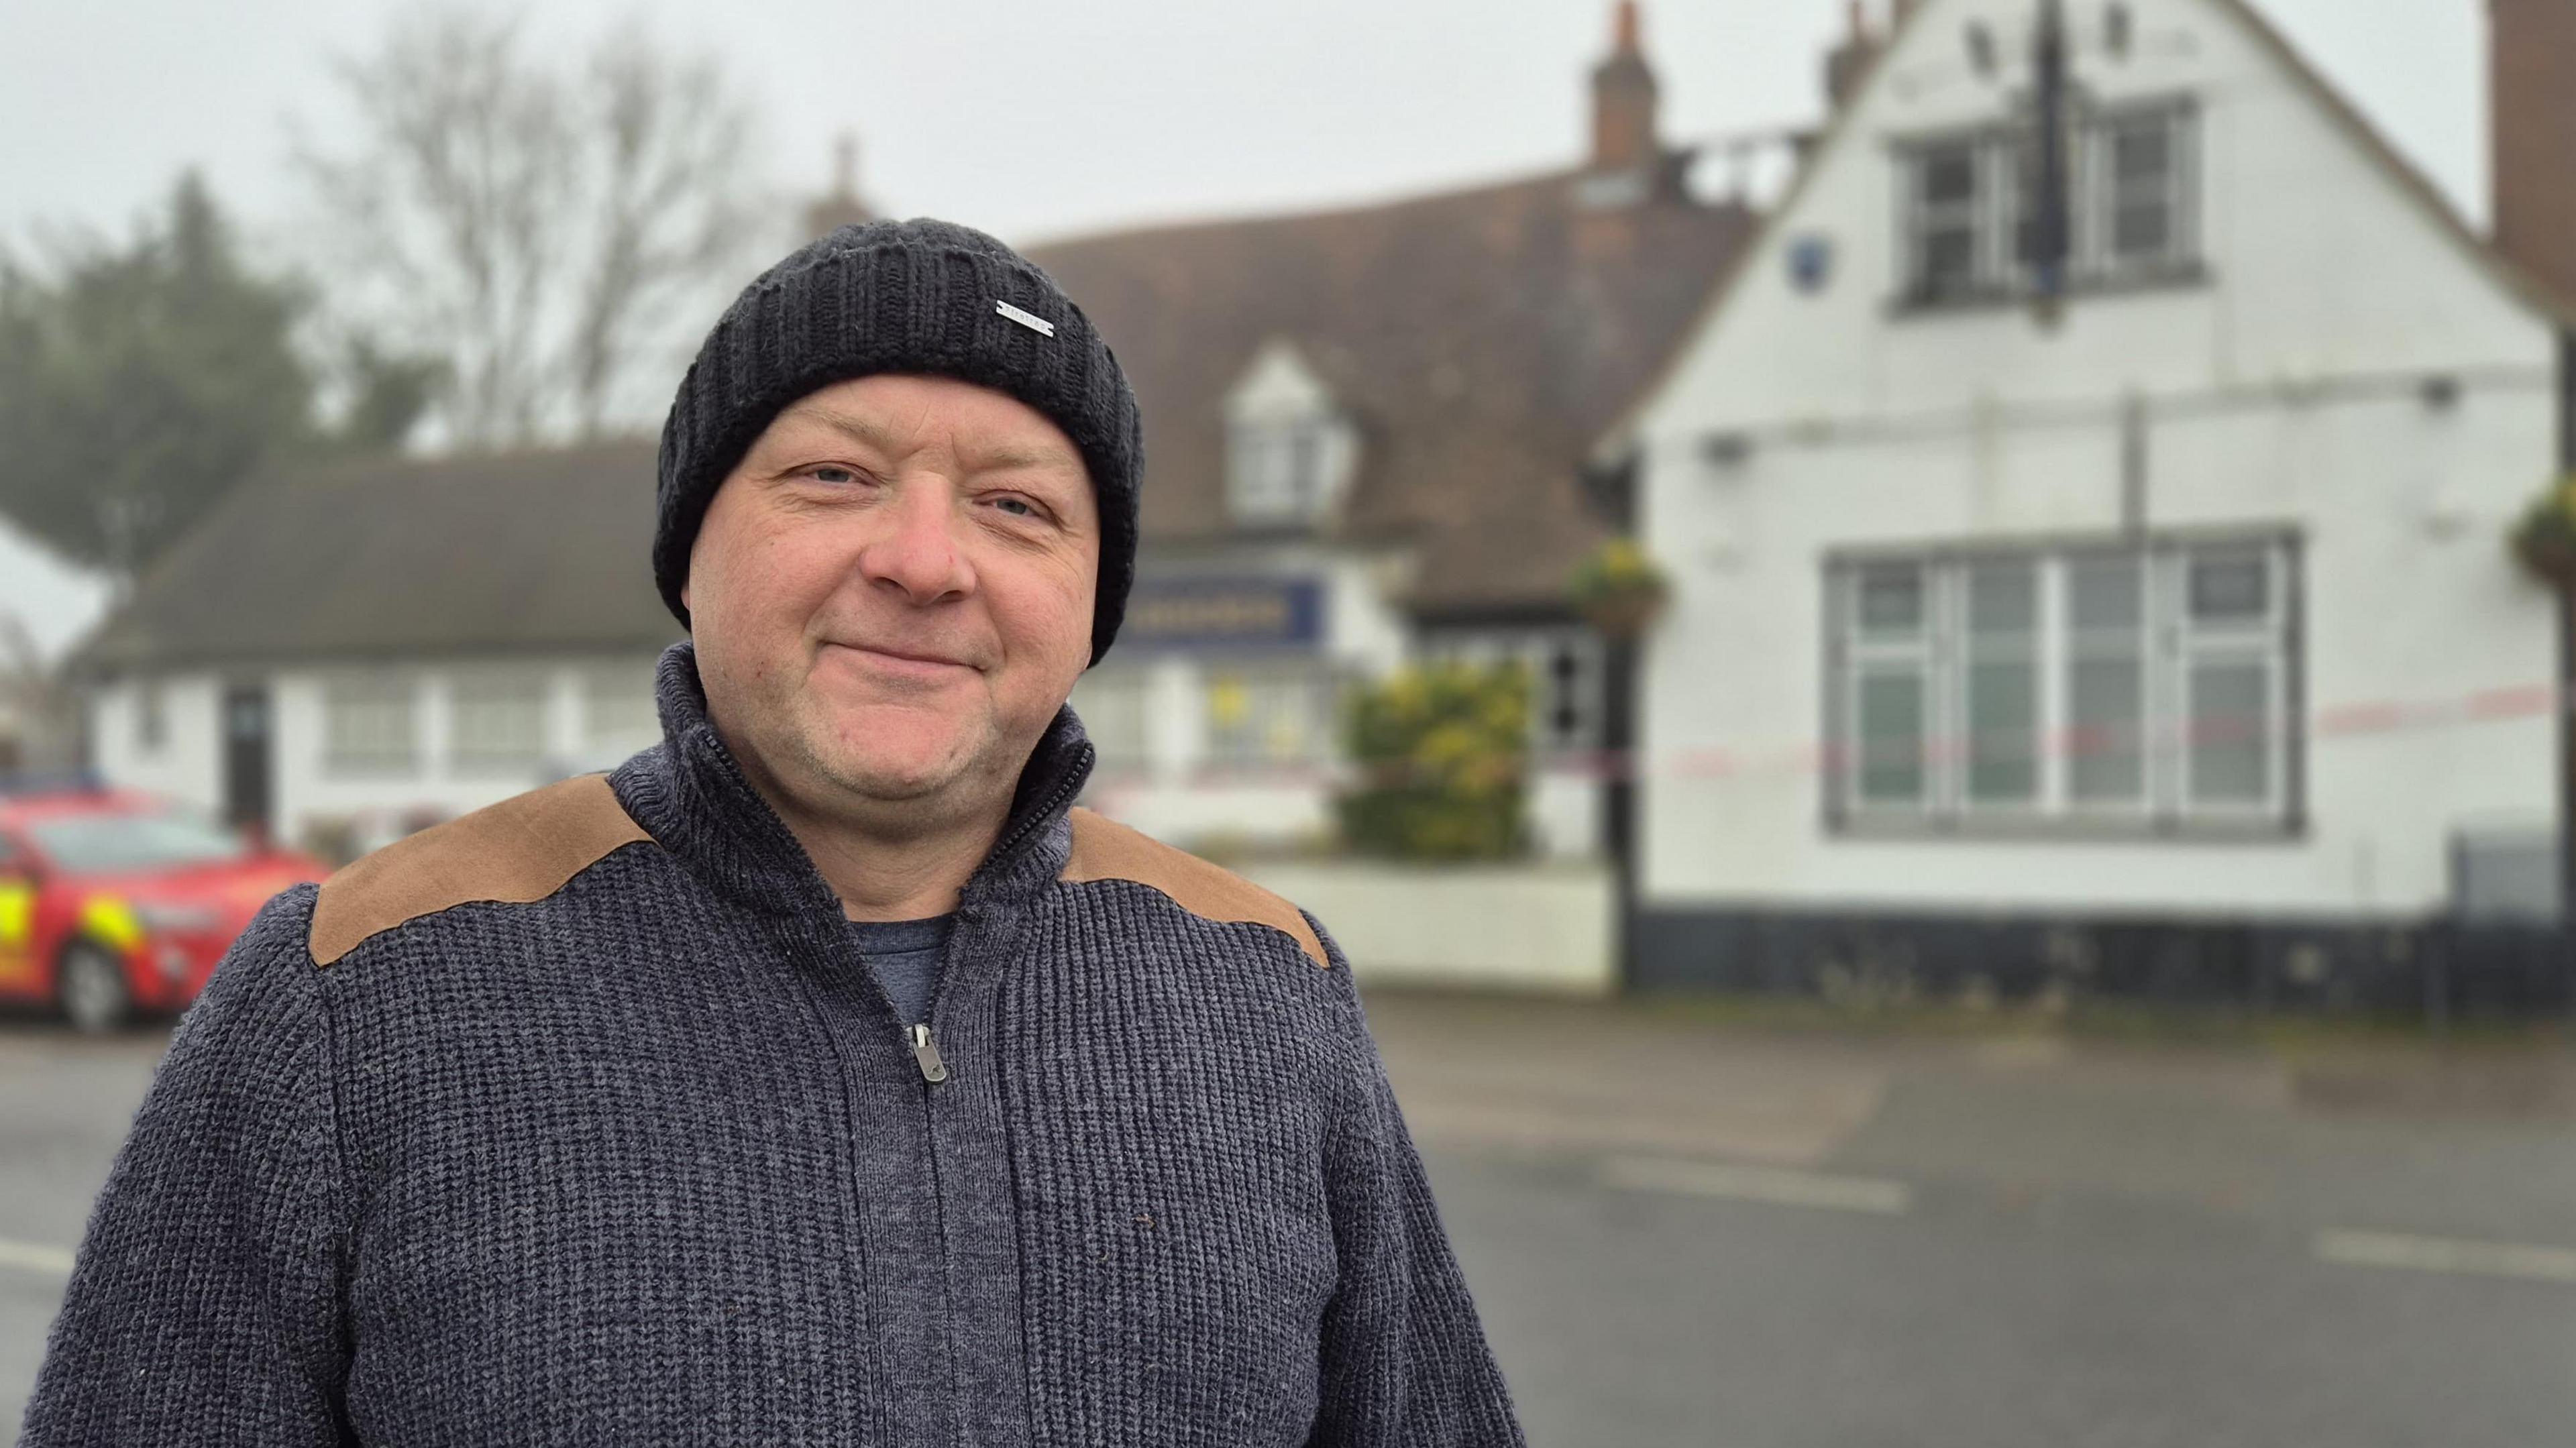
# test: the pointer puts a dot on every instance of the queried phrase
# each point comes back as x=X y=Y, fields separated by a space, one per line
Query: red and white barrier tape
x=2345 y=721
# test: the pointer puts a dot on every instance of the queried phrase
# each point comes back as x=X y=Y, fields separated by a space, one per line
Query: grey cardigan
x=578 y=1120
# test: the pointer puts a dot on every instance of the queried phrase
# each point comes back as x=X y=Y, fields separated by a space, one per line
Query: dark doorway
x=248 y=774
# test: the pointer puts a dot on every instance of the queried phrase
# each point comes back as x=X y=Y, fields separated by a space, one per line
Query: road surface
x=1683 y=1231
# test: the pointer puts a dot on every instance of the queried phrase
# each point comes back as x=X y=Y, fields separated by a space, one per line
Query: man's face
x=892 y=593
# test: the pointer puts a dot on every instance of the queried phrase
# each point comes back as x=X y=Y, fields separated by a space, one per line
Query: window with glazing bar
x=2122 y=684
x=1969 y=200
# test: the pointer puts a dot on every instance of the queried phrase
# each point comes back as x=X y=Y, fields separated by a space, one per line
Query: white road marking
x=1757 y=1184
x=35 y=1257
x=2443 y=1254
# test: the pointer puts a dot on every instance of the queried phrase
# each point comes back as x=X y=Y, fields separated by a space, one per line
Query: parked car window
x=140 y=840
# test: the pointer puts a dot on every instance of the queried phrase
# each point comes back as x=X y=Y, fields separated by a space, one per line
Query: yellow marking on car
x=111 y=922
x=17 y=934
x=17 y=913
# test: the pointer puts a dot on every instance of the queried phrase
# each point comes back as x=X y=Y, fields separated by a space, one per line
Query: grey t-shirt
x=905 y=955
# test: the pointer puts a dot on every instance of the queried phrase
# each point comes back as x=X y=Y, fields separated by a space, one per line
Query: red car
x=114 y=903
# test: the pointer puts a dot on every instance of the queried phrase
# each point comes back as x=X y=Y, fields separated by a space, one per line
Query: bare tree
x=530 y=226
x=671 y=137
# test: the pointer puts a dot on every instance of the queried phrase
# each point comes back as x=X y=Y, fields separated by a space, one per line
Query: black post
x=2567 y=686
x=2567 y=790
x=2566 y=701
x=2055 y=240
x=1619 y=795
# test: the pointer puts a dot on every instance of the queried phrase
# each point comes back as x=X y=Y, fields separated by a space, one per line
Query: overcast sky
x=1035 y=118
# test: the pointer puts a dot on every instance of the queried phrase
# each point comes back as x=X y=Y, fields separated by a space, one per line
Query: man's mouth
x=902 y=660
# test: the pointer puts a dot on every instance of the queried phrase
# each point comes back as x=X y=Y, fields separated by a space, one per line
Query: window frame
x=2181 y=121
x=1136 y=686
x=1913 y=653
x=1913 y=184
x=1998 y=211
x=344 y=692
x=2170 y=643
x=610 y=714
x=1580 y=690
x=151 y=716
x=1279 y=469
x=1323 y=683
x=473 y=760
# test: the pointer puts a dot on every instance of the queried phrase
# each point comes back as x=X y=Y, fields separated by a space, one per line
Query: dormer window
x=1290 y=450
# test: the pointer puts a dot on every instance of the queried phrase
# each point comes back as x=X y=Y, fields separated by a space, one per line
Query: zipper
x=925 y=1053
x=1066 y=790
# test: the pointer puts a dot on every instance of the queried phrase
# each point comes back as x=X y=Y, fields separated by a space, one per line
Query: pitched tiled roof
x=1480 y=339
x=541 y=551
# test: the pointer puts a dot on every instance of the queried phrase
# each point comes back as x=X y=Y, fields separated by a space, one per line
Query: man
x=818 y=1076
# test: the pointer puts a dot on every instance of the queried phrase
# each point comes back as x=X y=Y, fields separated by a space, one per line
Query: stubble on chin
x=921 y=792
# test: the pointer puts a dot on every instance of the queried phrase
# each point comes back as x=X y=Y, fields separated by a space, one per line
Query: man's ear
x=684 y=599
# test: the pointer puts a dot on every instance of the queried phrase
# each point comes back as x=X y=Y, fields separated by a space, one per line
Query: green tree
x=1442 y=751
x=139 y=383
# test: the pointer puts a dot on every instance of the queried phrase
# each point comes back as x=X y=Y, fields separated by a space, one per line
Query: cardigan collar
x=691 y=795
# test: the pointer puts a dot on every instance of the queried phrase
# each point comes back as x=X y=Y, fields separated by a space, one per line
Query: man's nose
x=918 y=551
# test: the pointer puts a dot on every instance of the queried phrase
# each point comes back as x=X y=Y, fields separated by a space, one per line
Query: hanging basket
x=1618 y=589
x=1624 y=615
x=2544 y=541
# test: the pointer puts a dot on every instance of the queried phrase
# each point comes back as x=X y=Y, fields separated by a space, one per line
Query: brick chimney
x=1848 y=64
x=2532 y=67
x=1623 y=102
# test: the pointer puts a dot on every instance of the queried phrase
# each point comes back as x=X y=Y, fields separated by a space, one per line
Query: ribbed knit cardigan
x=647 y=1159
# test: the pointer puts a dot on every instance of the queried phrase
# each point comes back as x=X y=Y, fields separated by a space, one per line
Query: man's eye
x=1023 y=508
x=829 y=473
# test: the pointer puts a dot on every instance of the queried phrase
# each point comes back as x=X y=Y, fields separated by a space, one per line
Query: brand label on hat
x=1039 y=325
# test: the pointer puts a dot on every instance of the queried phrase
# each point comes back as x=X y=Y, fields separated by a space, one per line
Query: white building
x=1365 y=441
x=341 y=657
x=2167 y=627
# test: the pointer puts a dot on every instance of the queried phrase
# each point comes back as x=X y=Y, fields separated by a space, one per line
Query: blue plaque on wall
x=1811 y=261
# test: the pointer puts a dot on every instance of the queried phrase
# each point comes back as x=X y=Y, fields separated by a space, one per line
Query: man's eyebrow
x=1020 y=455
x=869 y=433
x=861 y=430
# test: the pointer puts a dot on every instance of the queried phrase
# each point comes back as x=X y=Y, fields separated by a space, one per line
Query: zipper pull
x=933 y=1069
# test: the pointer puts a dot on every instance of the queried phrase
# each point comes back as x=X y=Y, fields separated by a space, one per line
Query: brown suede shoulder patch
x=522 y=849
x=1103 y=849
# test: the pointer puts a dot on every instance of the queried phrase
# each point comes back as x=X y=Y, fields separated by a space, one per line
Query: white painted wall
x=188 y=765
x=308 y=790
x=1537 y=928
x=1565 y=813
x=2332 y=291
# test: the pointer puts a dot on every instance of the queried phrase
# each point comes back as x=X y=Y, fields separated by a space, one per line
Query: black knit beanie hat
x=902 y=296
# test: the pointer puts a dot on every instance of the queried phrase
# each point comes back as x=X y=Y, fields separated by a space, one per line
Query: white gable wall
x=187 y=762
x=2333 y=291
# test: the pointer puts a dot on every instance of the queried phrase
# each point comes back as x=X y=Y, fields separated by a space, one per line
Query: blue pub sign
x=1215 y=614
